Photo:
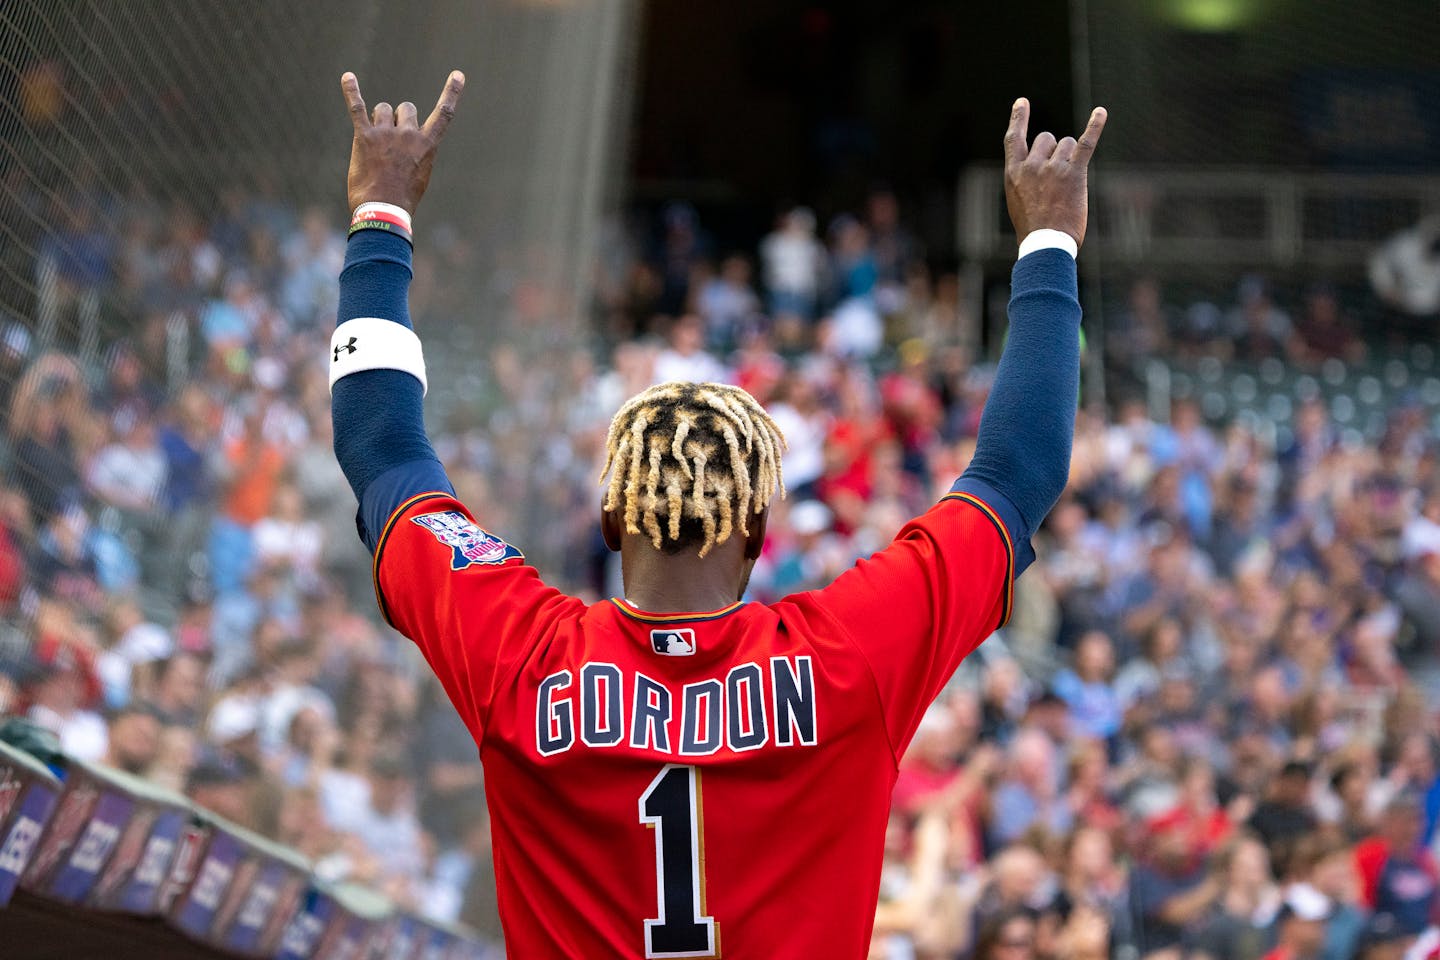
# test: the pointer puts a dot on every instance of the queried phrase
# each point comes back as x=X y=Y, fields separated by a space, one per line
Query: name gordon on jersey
x=750 y=707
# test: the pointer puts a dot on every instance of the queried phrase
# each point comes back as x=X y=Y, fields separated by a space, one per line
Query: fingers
x=1043 y=146
x=350 y=87
x=384 y=115
x=405 y=115
x=1086 y=147
x=444 y=112
x=1015 y=134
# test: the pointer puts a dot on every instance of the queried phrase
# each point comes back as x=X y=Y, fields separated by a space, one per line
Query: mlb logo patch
x=673 y=643
x=470 y=543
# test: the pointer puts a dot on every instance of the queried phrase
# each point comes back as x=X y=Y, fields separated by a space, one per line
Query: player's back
x=683 y=785
x=675 y=786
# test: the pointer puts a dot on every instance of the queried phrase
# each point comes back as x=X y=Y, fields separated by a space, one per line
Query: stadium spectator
x=893 y=248
x=134 y=740
x=180 y=689
x=59 y=702
x=685 y=357
x=1259 y=327
x=1010 y=935
x=728 y=304
x=227 y=785
x=1398 y=875
x=1094 y=705
x=1284 y=816
x=1323 y=331
x=1239 y=921
x=794 y=265
x=128 y=474
x=1028 y=796
x=1327 y=864
x=1231 y=626
x=1302 y=924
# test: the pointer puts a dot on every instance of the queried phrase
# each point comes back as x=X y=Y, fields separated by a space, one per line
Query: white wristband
x=372 y=343
x=1047 y=239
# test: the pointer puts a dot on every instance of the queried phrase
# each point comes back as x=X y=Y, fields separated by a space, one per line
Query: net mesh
x=161 y=163
x=1263 y=154
x=1263 y=82
x=171 y=229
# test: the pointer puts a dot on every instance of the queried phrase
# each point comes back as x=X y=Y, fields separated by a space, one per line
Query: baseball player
x=677 y=772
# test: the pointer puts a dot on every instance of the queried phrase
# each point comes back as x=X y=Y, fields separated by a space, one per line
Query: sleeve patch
x=470 y=544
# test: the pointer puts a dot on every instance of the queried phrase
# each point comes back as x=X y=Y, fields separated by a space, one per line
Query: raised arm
x=377 y=373
x=461 y=593
x=918 y=607
x=1022 y=453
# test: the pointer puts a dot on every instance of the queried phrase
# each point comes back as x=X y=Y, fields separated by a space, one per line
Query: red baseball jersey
x=700 y=784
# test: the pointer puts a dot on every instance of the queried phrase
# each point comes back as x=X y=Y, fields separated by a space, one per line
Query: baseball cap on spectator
x=23 y=671
x=1296 y=768
x=1408 y=800
x=269 y=374
x=1304 y=902
x=1422 y=540
x=1382 y=929
x=219 y=768
x=233 y=718
x=390 y=765
x=145 y=642
x=1252 y=287
x=810 y=517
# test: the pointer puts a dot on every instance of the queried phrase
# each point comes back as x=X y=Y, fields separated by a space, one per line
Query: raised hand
x=1046 y=182
x=392 y=153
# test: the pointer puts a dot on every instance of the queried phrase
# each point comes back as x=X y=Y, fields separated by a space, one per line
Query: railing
x=98 y=843
x=1186 y=219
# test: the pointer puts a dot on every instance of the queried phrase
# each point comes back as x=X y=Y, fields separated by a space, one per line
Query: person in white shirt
x=129 y=472
x=794 y=261
x=803 y=422
x=58 y=706
x=685 y=357
x=287 y=538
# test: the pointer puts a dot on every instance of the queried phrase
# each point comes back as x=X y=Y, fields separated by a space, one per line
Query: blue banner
x=26 y=824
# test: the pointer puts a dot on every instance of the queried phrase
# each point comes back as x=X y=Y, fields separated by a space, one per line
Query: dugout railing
x=93 y=860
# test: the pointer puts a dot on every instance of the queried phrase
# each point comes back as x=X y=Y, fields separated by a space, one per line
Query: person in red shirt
x=677 y=772
x=1399 y=876
x=1197 y=815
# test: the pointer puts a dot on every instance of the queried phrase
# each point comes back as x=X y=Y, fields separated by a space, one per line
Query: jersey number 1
x=671 y=806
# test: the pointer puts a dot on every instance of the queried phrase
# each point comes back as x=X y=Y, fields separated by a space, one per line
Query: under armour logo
x=347 y=347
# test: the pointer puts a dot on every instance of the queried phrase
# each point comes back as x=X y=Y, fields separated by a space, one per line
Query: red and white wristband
x=381 y=216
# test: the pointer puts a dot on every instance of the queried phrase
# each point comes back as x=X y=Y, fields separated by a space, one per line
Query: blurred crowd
x=1208 y=731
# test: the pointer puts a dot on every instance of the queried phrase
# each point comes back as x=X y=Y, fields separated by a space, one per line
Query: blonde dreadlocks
x=701 y=456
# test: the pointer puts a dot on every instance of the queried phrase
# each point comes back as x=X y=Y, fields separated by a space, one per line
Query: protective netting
x=1323 y=84
x=164 y=164
x=1267 y=191
x=171 y=228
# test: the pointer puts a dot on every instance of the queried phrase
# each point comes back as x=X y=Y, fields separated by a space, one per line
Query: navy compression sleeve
x=1022 y=453
x=380 y=436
